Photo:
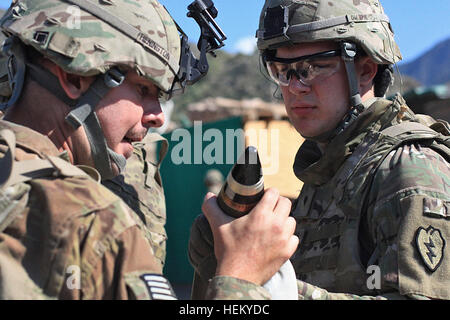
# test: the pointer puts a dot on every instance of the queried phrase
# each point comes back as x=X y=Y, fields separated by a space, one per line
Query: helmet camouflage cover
x=87 y=38
x=97 y=38
x=363 y=22
x=92 y=38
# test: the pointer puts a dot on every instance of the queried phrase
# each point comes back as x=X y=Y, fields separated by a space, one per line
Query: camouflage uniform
x=70 y=236
x=363 y=203
x=13 y=276
x=74 y=221
x=80 y=226
x=140 y=186
x=371 y=199
x=376 y=198
x=93 y=40
x=377 y=194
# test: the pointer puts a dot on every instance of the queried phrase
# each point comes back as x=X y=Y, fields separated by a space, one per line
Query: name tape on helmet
x=128 y=30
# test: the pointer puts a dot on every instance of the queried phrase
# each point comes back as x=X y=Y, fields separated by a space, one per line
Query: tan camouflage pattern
x=140 y=187
x=94 y=46
x=75 y=222
x=140 y=290
x=227 y=288
x=309 y=292
x=15 y=284
x=97 y=232
x=376 y=38
x=340 y=185
x=409 y=191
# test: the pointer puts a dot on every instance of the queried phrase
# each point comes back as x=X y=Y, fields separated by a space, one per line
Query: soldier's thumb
x=216 y=217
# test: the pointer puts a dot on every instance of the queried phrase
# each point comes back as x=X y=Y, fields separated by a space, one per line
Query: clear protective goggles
x=308 y=69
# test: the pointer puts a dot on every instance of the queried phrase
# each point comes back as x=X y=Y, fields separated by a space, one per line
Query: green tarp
x=184 y=184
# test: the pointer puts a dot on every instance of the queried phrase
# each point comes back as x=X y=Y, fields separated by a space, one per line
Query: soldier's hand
x=253 y=247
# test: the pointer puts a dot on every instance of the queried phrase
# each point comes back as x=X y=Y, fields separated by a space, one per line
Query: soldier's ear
x=74 y=85
x=366 y=70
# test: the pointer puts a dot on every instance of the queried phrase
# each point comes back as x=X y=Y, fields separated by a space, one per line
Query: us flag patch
x=158 y=287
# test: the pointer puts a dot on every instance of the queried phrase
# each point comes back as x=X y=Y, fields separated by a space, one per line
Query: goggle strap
x=332 y=53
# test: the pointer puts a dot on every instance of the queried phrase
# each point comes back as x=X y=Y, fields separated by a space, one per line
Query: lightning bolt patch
x=430 y=252
x=430 y=245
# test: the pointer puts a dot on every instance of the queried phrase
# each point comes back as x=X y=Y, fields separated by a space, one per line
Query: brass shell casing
x=236 y=198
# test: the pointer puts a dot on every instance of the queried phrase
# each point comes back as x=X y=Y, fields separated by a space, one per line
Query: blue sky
x=418 y=24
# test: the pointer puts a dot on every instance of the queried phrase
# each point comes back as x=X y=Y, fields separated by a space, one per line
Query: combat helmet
x=354 y=24
x=101 y=38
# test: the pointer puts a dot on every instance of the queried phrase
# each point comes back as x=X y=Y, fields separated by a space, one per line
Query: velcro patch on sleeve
x=423 y=254
x=158 y=287
x=436 y=208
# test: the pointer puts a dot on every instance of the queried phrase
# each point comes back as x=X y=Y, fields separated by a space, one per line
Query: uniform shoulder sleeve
x=408 y=218
x=308 y=291
x=143 y=193
x=229 y=288
x=116 y=256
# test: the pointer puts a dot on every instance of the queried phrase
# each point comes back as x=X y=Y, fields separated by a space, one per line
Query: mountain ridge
x=432 y=67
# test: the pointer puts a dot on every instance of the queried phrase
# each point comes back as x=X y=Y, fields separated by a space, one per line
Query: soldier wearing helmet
x=372 y=216
x=86 y=78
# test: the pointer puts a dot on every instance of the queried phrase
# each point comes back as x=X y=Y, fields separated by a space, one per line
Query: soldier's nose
x=153 y=115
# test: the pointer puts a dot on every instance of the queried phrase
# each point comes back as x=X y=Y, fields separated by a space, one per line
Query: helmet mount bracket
x=211 y=38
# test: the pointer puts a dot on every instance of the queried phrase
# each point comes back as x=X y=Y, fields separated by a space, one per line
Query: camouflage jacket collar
x=314 y=167
x=31 y=140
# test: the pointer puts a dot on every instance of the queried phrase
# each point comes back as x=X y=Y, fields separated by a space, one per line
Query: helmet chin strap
x=82 y=113
x=356 y=107
x=118 y=159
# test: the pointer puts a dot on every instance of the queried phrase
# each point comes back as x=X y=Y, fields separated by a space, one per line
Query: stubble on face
x=121 y=115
